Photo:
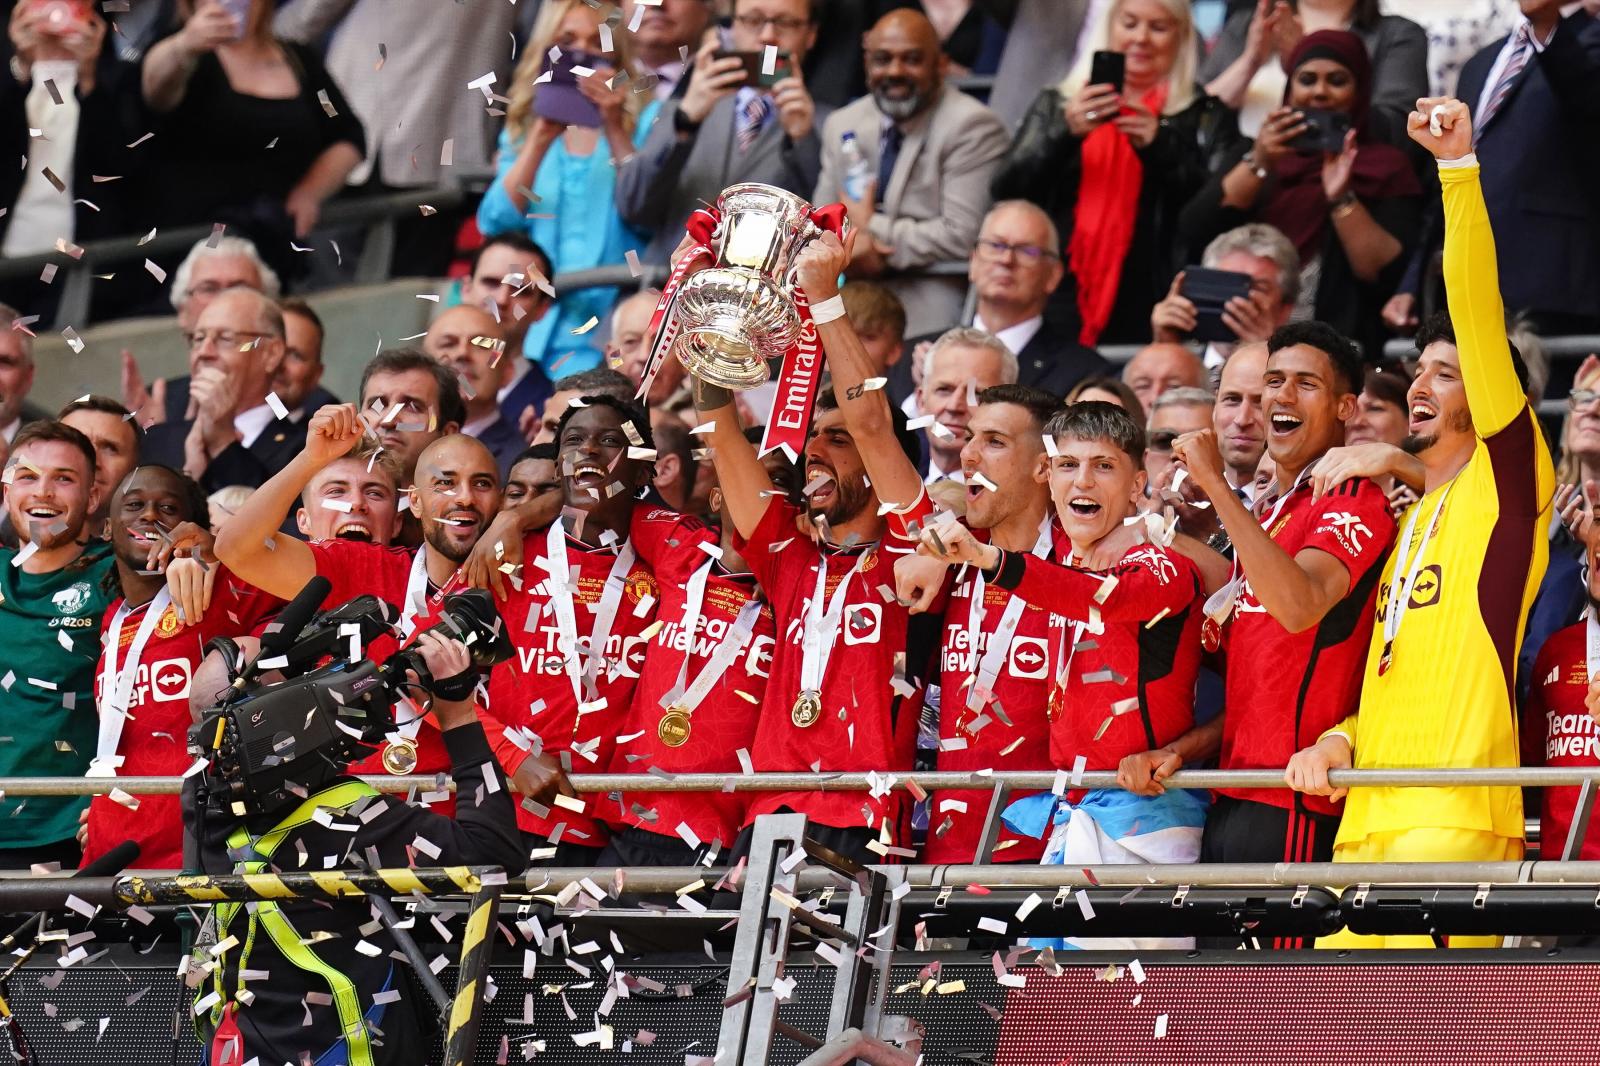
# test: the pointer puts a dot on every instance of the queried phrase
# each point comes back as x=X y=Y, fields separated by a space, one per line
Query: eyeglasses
x=1160 y=440
x=1581 y=398
x=781 y=23
x=226 y=339
x=1028 y=253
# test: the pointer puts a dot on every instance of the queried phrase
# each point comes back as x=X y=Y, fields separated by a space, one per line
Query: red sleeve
x=655 y=531
x=1550 y=660
x=764 y=547
x=903 y=524
x=1353 y=524
x=238 y=607
x=510 y=756
x=1149 y=581
x=355 y=569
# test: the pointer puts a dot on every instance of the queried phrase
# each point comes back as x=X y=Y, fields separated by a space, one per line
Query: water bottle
x=857 y=171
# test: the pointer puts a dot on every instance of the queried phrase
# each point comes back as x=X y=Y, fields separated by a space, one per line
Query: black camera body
x=271 y=745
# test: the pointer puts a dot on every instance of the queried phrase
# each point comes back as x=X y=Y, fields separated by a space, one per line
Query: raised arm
x=1471 y=272
x=249 y=543
x=746 y=485
x=866 y=411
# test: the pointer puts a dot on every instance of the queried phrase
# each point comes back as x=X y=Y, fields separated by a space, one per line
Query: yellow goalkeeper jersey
x=1447 y=697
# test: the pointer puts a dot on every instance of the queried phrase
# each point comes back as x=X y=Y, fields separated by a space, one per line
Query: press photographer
x=296 y=980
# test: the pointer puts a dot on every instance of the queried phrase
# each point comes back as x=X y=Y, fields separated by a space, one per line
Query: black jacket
x=483 y=832
x=1052 y=360
x=281 y=441
x=1045 y=166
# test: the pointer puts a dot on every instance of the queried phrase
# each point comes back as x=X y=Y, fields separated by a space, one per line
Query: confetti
x=327 y=104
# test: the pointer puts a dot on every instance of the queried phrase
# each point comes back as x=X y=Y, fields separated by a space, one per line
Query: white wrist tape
x=828 y=310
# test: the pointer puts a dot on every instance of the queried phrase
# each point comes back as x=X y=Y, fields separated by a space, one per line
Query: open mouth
x=462 y=520
x=1084 y=507
x=43 y=512
x=1422 y=413
x=1284 y=424
x=820 y=485
x=353 y=531
x=590 y=475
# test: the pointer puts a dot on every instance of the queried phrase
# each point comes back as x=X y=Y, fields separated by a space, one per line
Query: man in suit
x=235 y=436
x=1535 y=99
x=933 y=151
x=472 y=344
x=724 y=131
x=663 y=31
x=16 y=376
x=298 y=382
x=961 y=364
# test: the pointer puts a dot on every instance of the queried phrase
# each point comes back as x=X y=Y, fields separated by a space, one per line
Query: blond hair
x=1180 y=79
x=519 y=109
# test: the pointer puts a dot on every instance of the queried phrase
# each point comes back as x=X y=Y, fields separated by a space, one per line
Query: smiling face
x=51 y=493
x=905 y=64
x=530 y=477
x=1094 y=485
x=597 y=475
x=1003 y=447
x=1149 y=36
x=472 y=344
x=1237 y=418
x=831 y=454
x=1375 y=419
x=1438 y=401
x=955 y=374
x=1306 y=406
x=149 y=503
x=457 y=492
x=1323 y=84
x=348 y=501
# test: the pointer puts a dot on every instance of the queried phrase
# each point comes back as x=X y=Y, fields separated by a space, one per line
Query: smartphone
x=60 y=17
x=1108 y=68
x=240 y=10
x=559 y=99
x=781 y=67
x=1210 y=290
x=1325 y=132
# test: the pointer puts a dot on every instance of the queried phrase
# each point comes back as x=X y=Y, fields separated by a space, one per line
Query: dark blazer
x=504 y=443
x=281 y=441
x=1052 y=360
x=1539 y=157
x=178 y=399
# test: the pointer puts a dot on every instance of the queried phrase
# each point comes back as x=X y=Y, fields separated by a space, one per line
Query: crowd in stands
x=1257 y=544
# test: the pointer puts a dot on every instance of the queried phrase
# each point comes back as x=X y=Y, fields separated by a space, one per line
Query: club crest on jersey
x=72 y=599
x=1154 y=560
x=639 y=586
x=168 y=623
x=1347 y=529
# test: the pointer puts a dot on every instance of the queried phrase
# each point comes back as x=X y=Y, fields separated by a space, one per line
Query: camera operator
x=309 y=948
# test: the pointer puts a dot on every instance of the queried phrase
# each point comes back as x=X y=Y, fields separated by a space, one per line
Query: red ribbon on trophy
x=802 y=364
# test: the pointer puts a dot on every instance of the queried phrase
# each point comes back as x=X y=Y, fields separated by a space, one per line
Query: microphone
x=282 y=634
x=114 y=861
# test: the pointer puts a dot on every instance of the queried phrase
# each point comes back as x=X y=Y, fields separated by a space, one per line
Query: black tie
x=890 y=152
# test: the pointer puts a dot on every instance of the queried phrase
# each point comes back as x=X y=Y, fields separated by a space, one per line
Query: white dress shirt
x=1507 y=50
x=1014 y=337
x=10 y=432
x=43 y=214
x=252 y=423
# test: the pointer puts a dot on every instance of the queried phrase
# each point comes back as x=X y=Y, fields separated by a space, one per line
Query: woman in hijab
x=1351 y=210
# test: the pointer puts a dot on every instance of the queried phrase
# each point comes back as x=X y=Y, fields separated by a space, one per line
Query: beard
x=898 y=109
x=849 y=499
x=1417 y=443
x=434 y=534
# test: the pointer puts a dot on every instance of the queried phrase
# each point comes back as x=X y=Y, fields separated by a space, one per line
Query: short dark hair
x=403 y=360
x=629 y=410
x=194 y=497
x=516 y=242
x=1439 y=327
x=545 y=451
x=909 y=444
x=107 y=406
x=672 y=438
x=1098 y=420
x=1040 y=404
x=58 y=432
x=294 y=305
x=1342 y=352
x=602 y=380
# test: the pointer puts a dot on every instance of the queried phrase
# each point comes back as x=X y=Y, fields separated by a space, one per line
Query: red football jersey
x=1130 y=687
x=869 y=714
x=1557 y=730
x=1284 y=690
x=1002 y=735
x=154 y=741
x=725 y=720
x=532 y=691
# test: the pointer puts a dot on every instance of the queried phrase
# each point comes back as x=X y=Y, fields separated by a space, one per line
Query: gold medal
x=807 y=709
x=1210 y=634
x=400 y=756
x=1056 y=704
x=673 y=729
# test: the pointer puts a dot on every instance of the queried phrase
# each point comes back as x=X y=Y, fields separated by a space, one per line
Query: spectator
x=298 y=382
x=423 y=123
x=1455 y=33
x=1381 y=410
x=675 y=462
x=224 y=502
x=533 y=474
x=962 y=363
x=416 y=401
x=601 y=382
x=53 y=595
x=234 y=437
x=568 y=170
x=352 y=498
x=1043 y=42
x=1109 y=390
x=631 y=343
x=880 y=321
x=932 y=150
x=1237 y=419
x=510 y=278
x=255 y=133
x=1179 y=410
x=64 y=112
x=1157 y=368
x=469 y=342
x=16 y=375
x=116 y=437
x=1537 y=96
x=970 y=37
x=1084 y=153
x=205 y=272
x=1248 y=65
x=1352 y=214
x=722 y=131
x=1267 y=256
x=663 y=34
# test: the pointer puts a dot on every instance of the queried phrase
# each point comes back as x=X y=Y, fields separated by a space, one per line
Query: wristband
x=456 y=687
x=1468 y=160
x=828 y=310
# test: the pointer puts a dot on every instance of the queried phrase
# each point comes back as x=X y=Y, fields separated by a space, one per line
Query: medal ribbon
x=1400 y=590
x=822 y=628
x=116 y=686
x=733 y=644
x=999 y=646
x=563 y=595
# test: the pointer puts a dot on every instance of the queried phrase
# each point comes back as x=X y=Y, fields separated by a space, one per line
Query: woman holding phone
x=1317 y=171
x=255 y=132
x=570 y=122
x=1112 y=164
